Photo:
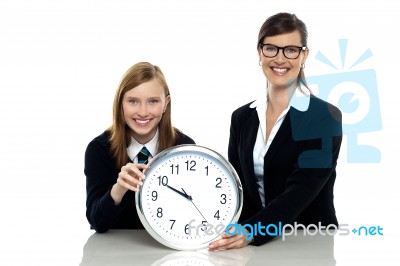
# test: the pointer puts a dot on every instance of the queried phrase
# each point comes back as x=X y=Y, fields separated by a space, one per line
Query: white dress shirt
x=135 y=147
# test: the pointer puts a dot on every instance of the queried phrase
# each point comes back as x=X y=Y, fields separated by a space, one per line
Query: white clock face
x=189 y=196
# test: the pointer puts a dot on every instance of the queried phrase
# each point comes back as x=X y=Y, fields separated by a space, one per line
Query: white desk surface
x=137 y=247
x=58 y=246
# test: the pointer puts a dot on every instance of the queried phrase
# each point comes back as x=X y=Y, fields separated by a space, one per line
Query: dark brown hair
x=282 y=23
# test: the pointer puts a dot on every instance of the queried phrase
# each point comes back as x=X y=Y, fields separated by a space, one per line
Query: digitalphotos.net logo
x=282 y=230
x=285 y=230
x=355 y=93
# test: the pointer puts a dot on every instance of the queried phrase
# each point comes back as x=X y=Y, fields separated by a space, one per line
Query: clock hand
x=188 y=197
x=191 y=199
x=181 y=193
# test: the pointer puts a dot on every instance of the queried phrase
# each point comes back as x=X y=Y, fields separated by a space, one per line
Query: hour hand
x=180 y=193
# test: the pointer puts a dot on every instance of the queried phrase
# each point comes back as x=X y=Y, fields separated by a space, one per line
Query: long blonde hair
x=119 y=131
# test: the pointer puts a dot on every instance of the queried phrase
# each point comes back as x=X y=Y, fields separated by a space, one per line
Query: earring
x=303 y=66
x=259 y=62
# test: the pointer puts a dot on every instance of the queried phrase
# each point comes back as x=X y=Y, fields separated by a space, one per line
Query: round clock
x=189 y=196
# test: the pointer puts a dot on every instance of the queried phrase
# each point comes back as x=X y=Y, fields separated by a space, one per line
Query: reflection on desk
x=137 y=247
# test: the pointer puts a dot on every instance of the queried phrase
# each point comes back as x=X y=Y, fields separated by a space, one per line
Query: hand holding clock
x=130 y=178
x=229 y=242
x=182 y=170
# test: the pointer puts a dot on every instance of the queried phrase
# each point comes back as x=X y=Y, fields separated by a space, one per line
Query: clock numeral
x=154 y=195
x=216 y=215
x=204 y=227
x=190 y=165
x=173 y=222
x=223 y=200
x=159 y=212
x=176 y=168
x=187 y=229
x=206 y=170
x=162 y=180
x=219 y=181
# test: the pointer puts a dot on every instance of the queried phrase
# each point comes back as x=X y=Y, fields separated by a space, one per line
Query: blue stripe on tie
x=143 y=155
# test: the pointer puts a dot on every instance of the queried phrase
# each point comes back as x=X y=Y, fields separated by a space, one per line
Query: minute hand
x=180 y=193
x=195 y=205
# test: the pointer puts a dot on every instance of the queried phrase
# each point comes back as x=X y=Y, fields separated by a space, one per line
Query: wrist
x=117 y=193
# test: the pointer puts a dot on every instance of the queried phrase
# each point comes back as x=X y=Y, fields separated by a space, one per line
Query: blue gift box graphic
x=355 y=93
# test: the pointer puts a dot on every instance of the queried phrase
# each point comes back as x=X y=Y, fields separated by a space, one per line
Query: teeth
x=142 y=121
x=280 y=70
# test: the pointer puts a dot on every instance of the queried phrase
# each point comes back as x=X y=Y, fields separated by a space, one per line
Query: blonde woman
x=141 y=119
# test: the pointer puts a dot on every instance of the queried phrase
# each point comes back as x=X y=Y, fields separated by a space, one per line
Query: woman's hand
x=130 y=178
x=230 y=242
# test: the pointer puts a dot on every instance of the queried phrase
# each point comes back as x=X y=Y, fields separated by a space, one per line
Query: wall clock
x=189 y=196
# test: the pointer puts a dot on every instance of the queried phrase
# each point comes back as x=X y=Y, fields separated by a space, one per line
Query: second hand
x=191 y=199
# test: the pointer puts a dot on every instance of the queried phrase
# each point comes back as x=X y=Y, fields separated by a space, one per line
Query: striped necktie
x=143 y=156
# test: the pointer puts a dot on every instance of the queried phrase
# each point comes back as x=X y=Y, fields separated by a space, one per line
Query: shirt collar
x=135 y=147
x=300 y=101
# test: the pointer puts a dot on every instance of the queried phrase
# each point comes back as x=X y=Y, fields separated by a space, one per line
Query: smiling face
x=143 y=107
x=280 y=71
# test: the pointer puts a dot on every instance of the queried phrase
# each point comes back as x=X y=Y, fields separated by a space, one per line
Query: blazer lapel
x=249 y=138
x=281 y=136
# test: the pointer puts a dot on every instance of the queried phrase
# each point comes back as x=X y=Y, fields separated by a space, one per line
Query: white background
x=61 y=61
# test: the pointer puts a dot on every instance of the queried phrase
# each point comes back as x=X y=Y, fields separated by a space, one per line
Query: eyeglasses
x=290 y=52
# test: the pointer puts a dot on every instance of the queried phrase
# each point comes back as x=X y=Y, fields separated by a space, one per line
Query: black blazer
x=101 y=174
x=299 y=166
